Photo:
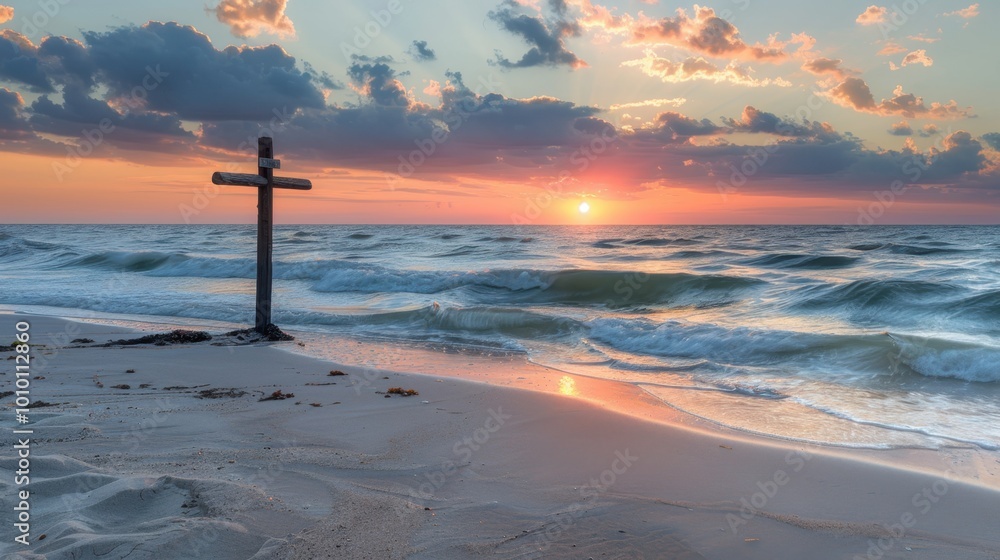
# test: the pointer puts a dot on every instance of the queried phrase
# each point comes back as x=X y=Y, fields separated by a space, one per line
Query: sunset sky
x=410 y=111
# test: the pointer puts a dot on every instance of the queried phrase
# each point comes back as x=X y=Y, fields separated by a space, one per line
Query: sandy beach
x=169 y=452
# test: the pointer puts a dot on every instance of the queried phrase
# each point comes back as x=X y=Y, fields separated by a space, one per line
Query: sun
x=584 y=208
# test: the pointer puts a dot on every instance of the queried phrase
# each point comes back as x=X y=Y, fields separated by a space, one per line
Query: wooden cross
x=266 y=182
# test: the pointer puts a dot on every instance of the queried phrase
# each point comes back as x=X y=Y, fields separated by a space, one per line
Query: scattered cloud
x=966 y=13
x=902 y=128
x=249 y=18
x=923 y=38
x=827 y=66
x=929 y=130
x=915 y=57
x=547 y=40
x=378 y=82
x=420 y=51
x=890 y=48
x=709 y=35
x=6 y=13
x=855 y=94
x=674 y=102
x=873 y=15
x=697 y=68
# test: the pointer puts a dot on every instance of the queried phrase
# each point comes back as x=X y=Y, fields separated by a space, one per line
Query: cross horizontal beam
x=255 y=180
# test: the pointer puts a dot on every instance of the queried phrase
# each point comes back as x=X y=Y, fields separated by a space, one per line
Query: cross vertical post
x=265 y=227
x=265 y=182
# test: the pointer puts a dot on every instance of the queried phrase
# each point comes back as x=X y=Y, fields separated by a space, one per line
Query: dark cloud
x=855 y=93
x=420 y=51
x=754 y=120
x=901 y=128
x=378 y=81
x=961 y=155
x=546 y=40
x=671 y=126
x=12 y=124
x=69 y=59
x=199 y=81
x=992 y=139
x=79 y=112
x=323 y=78
x=19 y=62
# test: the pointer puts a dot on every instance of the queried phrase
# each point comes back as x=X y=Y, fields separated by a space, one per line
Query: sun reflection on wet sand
x=567 y=386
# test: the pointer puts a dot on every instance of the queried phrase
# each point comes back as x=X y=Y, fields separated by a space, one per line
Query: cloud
x=707 y=34
x=923 y=38
x=671 y=126
x=378 y=82
x=249 y=18
x=855 y=93
x=200 y=82
x=547 y=45
x=463 y=137
x=827 y=66
x=674 y=102
x=420 y=51
x=755 y=121
x=915 y=57
x=12 y=124
x=166 y=68
x=79 y=111
x=961 y=155
x=873 y=15
x=902 y=128
x=891 y=48
x=993 y=139
x=929 y=130
x=6 y=13
x=19 y=62
x=697 y=68
x=966 y=13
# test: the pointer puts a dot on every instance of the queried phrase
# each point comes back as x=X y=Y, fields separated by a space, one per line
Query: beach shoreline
x=505 y=459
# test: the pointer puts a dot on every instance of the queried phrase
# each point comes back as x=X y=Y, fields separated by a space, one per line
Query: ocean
x=863 y=337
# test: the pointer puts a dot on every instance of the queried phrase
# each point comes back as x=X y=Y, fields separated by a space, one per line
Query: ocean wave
x=700 y=254
x=939 y=357
x=643 y=242
x=886 y=354
x=360 y=236
x=625 y=289
x=876 y=293
x=932 y=248
x=790 y=260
